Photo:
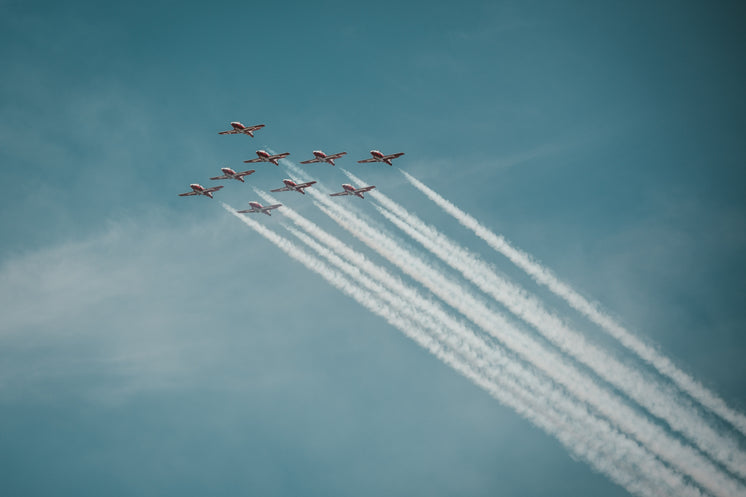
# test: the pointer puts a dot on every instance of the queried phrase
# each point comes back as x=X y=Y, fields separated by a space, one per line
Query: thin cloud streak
x=545 y=277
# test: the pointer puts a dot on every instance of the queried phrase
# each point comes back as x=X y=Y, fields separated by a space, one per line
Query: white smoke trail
x=544 y=276
x=683 y=457
x=531 y=311
x=314 y=230
x=577 y=421
x=545 y=360
x=576 y=435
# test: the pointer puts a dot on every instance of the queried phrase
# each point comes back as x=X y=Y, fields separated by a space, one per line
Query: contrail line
x=592 y=448
x=545 y=277
x=548 y=369
x=545 y=360
x=517 y=301
x=548 y=398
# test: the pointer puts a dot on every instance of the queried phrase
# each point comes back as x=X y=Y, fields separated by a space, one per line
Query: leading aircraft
x=256 y=207
x=229 y=173
x=264 y=156
x=240 y=129
x=320 y=156
x=198 y=189
x=379 y=157
x=351 y=190
x=291 y=185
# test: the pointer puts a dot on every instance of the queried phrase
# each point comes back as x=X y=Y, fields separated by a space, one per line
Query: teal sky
x=153 y=345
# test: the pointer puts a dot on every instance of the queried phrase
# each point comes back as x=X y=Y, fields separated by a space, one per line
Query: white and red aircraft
x=319 y=156
x=257 y=207
x=351 y=190
x=291 y=185
x=264 y=156
x=240 y=129
x=198 y=189
x=379 y=157
x=229 y=173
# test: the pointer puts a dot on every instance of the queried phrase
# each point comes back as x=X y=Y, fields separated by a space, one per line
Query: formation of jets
x=290 y=185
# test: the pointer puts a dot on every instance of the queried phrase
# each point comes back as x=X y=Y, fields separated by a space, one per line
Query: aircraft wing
x=278 y=156
x=283 y=189
x=305 y=185
x=244 y=173
x=368 y=160
x=270 y=207
x=364 y=189
x=212 y=189
x=393 y=156
x=220 y=177
x=339 y=194
x=229 y=132
x=258 y=159
x=247 y=210
x=311 y=161
x=336 y=156
x=188 y=194
x=253 y=128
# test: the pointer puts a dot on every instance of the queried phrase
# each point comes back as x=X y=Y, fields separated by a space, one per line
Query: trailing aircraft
x=291 y=185
x=351 y=190
x=198 y=189
x=320 y=156
x=240 y=129
x=256 y=207
x=264 y=156
x=229 y=173
x=379 y=157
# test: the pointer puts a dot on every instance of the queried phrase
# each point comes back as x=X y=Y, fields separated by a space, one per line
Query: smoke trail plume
x=546 y=278
x=651 y=435
x=587 y=440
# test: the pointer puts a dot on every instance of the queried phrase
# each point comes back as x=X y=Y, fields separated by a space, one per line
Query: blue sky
x=154 y=345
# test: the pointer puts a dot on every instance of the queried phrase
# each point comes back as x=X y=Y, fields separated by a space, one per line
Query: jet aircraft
x=351 y=190
x=257 y=207
x=264 y=156
x=229 y=173
x=379 y=157
x=291 y=185
x=240 y=129
x=320 y=156
x=198 y=189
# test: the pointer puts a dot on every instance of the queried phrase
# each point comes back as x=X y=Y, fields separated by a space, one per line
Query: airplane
x=379 y=157
x=229 y=173
x=351 y=190
x=198 y=189
x=291 y=185
x=320 y=156
x=240 y=129
x=266 y=157
x=257 y=207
